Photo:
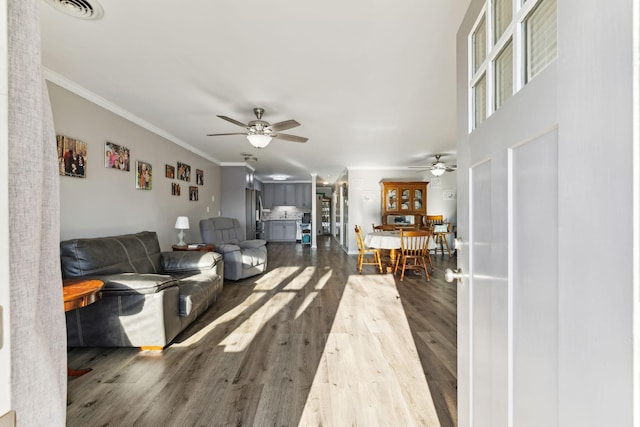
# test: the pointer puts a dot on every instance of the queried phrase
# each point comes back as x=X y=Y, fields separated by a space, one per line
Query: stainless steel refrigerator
x=255 y=229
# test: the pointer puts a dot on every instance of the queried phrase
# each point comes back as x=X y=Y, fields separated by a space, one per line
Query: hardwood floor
x=311 y=342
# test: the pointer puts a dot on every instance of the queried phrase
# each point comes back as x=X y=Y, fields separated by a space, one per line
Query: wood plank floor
x=311 y=343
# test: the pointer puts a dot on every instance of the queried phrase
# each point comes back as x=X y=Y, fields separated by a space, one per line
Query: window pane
x=479 y=45
x=541 y=34
x=502 y=16
x=480 y=101
x=504 y=75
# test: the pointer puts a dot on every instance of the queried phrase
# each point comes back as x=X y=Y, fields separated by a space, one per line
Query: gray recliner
x=242 y=258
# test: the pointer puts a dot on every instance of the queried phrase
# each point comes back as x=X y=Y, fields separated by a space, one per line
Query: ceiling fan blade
x=287 y=124
x=420 y=167
x=224 y=134
x=235 y=122
x=292 y=138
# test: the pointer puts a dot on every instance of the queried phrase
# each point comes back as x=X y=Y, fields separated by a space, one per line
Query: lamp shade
x=259 y=140
x=182 y=223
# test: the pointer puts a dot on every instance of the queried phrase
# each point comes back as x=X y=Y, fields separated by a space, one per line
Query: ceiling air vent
x=78 y=8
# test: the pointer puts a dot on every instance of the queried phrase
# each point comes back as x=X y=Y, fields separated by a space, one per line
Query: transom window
x=510 y=43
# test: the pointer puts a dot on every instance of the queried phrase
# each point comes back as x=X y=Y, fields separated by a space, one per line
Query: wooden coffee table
x=79 y=293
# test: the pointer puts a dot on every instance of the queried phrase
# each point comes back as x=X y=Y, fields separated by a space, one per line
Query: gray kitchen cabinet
x=267 y=195
x=303 y=195
x=286 y=195
x=282 y=231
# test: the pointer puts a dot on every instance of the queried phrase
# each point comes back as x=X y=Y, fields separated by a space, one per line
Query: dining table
x=389 y=240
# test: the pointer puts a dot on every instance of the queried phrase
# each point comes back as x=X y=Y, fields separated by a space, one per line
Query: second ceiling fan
x=259 y=132
x=437 y=168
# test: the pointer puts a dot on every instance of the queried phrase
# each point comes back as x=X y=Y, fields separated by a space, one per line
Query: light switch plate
x=1 y=327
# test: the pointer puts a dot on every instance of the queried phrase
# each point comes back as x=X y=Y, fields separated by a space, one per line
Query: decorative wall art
x=193 y=193
x=116 y=156
x=184 y=172
x=448 y=195
x=144 y=175
x=199 y=177
x=72 y=157
x=175 y=189
x=169 y=171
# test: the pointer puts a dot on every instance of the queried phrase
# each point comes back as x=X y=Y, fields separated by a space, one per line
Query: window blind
x=502 y=17
x=479 y=45
x=480 y=101
x=541 y=35
x=504 y=75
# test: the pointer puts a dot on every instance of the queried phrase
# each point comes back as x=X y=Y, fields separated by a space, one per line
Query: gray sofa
x=148 y=296
x=242 y=258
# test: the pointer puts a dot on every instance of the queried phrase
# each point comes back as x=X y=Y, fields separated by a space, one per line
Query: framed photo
x=193 y=193
x=72 y=157
x=116 y=156
x=144 y=175
x=199 y=177
x=184 y=172
x=170 y=171
x=175 y=189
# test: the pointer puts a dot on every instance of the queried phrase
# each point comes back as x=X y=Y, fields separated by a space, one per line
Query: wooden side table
x=79 y=292
x=202 y=247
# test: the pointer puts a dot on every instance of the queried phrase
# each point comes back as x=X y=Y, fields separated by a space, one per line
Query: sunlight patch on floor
x=313 y=294
x=370 y=356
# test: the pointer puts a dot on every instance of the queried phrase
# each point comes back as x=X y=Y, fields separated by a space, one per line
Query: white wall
x=106 y=202
x=365 y=193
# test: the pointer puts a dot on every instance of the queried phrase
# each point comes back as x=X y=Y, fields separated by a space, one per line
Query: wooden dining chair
x=414 y=252
x=366 y=256
x=383 y=227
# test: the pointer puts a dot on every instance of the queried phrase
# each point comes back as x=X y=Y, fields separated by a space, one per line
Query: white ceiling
x=372 y=83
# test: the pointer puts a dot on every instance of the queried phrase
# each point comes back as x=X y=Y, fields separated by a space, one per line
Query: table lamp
x=182 y=223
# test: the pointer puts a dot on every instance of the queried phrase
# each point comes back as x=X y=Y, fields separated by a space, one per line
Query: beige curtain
x=38 y=337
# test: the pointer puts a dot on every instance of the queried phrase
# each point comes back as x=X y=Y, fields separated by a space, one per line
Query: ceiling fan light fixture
x=437 y=171
x=258 y=140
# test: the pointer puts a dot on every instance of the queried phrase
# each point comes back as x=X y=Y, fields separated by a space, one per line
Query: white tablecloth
x=383 y=240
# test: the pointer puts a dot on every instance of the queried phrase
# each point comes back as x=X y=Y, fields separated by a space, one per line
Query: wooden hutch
x=404 y=204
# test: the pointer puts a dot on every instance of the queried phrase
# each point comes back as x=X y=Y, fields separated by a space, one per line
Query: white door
x=509 y=297
x=549 y=272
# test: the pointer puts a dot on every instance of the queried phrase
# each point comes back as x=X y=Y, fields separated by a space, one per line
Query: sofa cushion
x=189 y=261
x=139 y=253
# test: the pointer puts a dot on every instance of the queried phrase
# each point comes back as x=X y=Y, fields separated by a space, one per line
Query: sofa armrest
x=225 y=248
x=253 y=243
x=189 y=261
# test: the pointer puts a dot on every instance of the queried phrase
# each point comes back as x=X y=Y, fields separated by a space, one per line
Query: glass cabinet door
x=392 y=199
x=417 y=199
x=406 y=202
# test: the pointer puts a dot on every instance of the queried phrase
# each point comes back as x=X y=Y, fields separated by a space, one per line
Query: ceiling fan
x=260 y=132
x=437 y=168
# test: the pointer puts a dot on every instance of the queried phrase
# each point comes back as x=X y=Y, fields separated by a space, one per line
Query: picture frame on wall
x=144 y=175
x=175 y=189
x=116 y=156
x=184 y=172
x=199 y=177
x=193 y=193
x=170 y=171
x=72 y=157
